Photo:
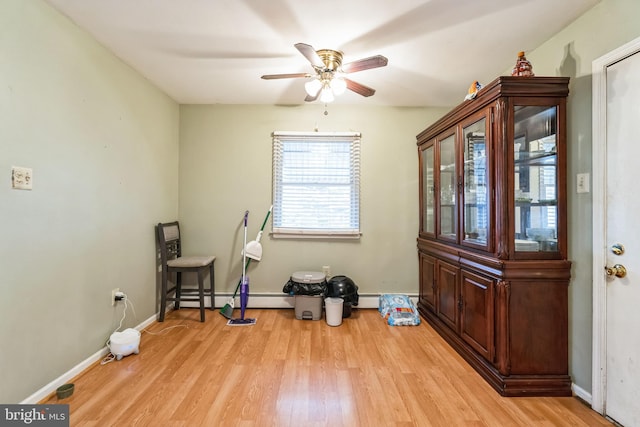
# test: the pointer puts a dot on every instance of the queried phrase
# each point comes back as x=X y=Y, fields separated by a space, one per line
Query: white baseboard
x=50 y=388
x=582 y=394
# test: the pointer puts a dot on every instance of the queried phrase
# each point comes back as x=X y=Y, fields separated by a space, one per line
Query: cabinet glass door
x=428 y=191
x=536 y=179
x=448 y=188
x=476 y=196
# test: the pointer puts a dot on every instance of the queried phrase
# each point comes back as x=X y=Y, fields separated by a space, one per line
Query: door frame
x=599 y=159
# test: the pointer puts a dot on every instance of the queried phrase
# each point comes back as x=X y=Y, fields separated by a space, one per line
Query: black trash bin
x=343 y=287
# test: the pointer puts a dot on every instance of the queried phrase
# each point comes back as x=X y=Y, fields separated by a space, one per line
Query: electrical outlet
x=113 y=296
x=326 y=269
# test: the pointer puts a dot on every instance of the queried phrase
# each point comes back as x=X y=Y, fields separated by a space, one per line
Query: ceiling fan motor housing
x=332 y=59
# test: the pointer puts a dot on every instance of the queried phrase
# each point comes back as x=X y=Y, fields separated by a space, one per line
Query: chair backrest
x=169 y=240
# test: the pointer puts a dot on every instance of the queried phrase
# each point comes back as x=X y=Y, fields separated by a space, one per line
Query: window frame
x=352 y=231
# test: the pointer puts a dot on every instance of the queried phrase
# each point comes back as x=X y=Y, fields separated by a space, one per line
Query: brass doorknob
x=617 y=270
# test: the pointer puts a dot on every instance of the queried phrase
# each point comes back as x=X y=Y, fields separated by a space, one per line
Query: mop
x=227 y=310
x=244 y=286
x=255 y=254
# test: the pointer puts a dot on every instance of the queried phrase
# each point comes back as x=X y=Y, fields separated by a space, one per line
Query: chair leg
x=163 y=295
x=201 y=292
x=213 y=286
x=178 y=290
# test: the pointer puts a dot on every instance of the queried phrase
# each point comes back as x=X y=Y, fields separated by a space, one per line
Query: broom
x=227 y=310
x=253 y=249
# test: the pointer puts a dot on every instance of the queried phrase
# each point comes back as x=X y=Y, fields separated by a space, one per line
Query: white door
x=617 y=246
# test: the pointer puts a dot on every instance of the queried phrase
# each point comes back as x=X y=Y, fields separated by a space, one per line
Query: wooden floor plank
x=288 y=372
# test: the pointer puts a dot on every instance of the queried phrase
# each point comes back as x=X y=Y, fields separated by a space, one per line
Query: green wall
x=103 y=146
x=225 y=169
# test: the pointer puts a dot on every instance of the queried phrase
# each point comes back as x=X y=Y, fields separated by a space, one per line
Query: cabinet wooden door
x=448 y=294
x=476 y=317
x=447 y=184
x=427 y=190
x=477 y=181
x=538 y=178
x=427 y=281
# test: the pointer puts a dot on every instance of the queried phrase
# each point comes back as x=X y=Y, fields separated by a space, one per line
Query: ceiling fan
x=329 y=78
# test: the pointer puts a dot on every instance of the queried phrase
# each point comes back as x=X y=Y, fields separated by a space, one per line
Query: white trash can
x=333 y=311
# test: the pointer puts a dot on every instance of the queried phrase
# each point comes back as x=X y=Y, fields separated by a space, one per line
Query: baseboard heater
x=267 y=300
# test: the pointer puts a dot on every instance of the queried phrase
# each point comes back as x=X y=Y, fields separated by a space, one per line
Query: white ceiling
x=214 y=51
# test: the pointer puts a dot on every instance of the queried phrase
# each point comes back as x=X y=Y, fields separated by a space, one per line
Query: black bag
x=301 y=288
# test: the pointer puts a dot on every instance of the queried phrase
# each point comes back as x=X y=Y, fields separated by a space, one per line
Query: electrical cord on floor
x=111 y=357
x=161 y=332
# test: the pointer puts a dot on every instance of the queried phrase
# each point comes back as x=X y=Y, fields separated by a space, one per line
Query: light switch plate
x=582 y=183
x=21 y=178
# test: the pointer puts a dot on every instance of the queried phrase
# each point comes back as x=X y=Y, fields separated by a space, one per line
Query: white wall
x=570 y=53
x=225 y=169
x=103 y=145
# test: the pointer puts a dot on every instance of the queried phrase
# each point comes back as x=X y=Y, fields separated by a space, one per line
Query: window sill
x=298 y=235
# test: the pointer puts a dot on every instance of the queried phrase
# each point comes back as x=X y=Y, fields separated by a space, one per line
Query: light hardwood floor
x=288 y=372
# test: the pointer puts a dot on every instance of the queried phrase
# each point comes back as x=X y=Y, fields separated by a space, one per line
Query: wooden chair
x=172 y=261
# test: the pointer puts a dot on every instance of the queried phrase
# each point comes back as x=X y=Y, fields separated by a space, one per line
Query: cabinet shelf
x=538 y=203
x=537 y=159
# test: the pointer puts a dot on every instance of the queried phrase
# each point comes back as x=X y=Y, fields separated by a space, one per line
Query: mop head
x=242 y=322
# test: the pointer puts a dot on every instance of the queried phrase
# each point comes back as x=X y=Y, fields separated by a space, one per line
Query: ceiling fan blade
x=310 y=53
x=310 y=98
x=365 y=64
x=285 y=76
x=359 y=88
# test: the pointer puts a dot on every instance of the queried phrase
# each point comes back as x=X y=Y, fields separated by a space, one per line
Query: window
x=316 y=184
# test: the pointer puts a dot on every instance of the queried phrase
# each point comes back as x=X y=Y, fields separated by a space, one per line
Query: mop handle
x=244 y=252
x=248 y=260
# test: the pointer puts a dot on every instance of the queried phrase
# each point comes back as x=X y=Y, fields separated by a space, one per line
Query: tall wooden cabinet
x=492 y=243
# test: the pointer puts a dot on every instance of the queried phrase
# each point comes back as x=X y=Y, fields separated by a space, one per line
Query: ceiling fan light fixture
x=338 y=85
x=326 y=96
x=312 y=87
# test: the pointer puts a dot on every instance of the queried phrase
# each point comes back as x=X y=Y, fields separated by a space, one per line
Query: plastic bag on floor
x=398 y=310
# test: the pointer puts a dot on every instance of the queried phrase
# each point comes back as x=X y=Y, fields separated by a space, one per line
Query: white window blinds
x=316 y=184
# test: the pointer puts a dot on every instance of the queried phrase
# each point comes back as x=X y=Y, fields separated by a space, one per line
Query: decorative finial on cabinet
x=523 y=67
